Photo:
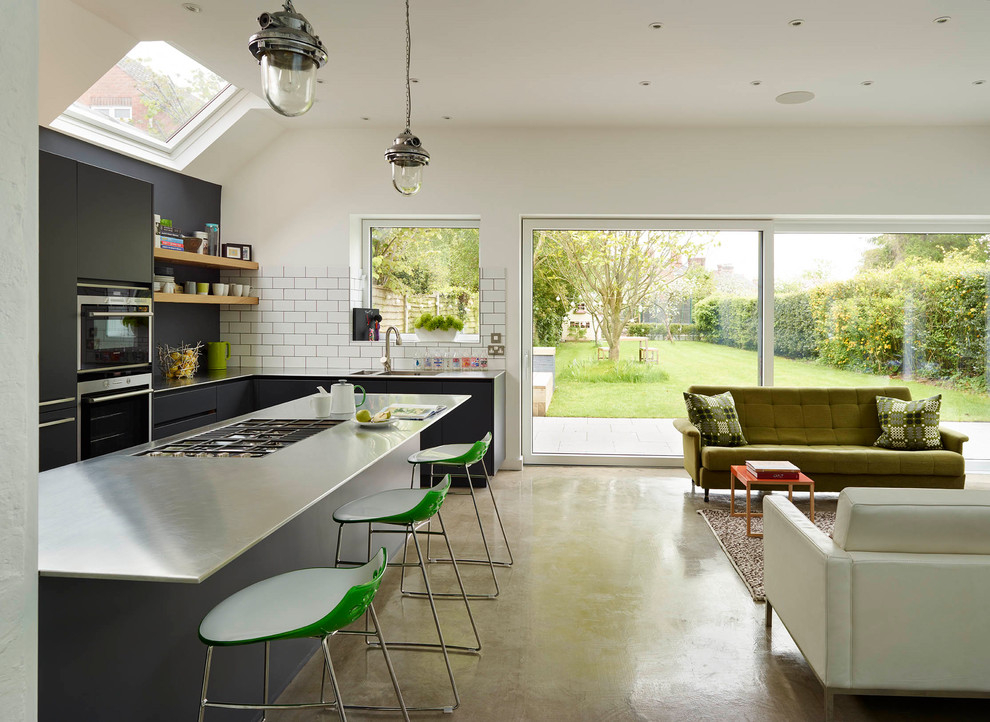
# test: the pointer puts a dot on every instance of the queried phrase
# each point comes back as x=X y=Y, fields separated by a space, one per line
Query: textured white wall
x=295 y=201
x=19 y=349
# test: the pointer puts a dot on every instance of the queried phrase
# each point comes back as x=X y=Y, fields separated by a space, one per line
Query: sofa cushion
x=839 y=459
x=909 y=424
x=913 y=521
x=716 y=419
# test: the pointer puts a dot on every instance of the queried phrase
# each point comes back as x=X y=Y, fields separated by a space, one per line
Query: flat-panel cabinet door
x=433 y=434
x=57 y=320
x=470 y=421
x=235 y=398
x=115 y=226
x=56 y=439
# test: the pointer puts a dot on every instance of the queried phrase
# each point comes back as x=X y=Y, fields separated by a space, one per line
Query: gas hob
x=252 y=439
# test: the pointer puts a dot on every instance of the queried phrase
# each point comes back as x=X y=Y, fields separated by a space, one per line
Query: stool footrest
x=441 y=560
x=470 y=595
x=429 y=645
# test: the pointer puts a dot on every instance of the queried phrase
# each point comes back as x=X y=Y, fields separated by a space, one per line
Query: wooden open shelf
x=198 y=259
x=206 y=299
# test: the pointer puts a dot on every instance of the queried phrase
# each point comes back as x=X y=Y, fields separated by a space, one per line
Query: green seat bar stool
x=317 y=602
x=409 y=509
x=466 y=456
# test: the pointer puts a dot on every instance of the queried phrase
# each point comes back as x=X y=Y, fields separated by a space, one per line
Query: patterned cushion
x=716 y=419
x=910 y=425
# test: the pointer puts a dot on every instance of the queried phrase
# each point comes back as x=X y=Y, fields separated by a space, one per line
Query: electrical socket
x=496 y=338
x=496 y=349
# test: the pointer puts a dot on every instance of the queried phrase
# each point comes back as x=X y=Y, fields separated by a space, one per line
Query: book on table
x=773 y=469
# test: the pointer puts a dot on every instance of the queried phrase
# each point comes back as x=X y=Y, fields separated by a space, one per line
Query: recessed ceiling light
x=656 y=26
x=796 y=22
x=867 y=82
x=445 y=117
x=644 y=82
x=365 y=117
x=320 y=81
x=795 y=97
x=756 y=82
x=413 y=80
x=942 y=20
x=192 y=7
x=979 y=82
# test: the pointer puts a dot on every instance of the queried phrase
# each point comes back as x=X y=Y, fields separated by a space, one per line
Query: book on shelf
x=414 y=411
x=773 y=469
x=172 y=244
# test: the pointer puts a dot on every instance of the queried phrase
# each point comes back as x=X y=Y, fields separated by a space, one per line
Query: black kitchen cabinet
x=56 y=438
x=179 y=411
x=57 y=320
x=272 y=391
x=235 y=398
x=114 y=221
x=470 y=421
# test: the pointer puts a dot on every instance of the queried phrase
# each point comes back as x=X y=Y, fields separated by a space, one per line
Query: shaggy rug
x=745 y=552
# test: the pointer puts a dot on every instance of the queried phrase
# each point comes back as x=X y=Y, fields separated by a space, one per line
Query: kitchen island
x=134 y=550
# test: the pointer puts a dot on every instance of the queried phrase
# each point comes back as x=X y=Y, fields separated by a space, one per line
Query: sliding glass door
x=624 y=316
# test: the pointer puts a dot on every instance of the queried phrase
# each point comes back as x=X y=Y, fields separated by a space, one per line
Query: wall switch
x=496 y=349
x=496 y=338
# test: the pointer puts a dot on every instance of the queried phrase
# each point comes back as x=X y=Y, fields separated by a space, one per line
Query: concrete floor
x=621 y=606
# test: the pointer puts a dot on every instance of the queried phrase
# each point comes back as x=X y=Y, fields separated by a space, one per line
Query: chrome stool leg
x=498 y=516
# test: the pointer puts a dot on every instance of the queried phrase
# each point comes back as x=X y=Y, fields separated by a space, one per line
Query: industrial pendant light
x=289 y=53
x=407 y=154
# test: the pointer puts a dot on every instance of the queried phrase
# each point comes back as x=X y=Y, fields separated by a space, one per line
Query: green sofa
x=828 y=433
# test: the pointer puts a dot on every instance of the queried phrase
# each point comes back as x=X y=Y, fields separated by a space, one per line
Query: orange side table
x=745 y=477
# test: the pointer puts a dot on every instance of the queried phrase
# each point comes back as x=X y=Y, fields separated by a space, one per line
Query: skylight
x=154 y=90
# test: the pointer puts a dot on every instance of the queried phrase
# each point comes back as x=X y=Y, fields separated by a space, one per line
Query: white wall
x=294 y=202
x=19 y=348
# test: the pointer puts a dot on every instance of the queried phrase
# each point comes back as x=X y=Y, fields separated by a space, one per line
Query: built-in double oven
x=114 y=367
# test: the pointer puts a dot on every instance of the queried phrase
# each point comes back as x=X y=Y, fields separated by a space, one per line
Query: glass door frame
x=530 y=224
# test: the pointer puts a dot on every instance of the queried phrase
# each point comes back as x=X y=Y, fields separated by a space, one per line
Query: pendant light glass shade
x=289 y=53
x=407 y=154
x=288 y=81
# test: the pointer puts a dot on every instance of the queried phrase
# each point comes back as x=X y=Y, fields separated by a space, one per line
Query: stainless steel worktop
x=181 y=519
x=233 y=373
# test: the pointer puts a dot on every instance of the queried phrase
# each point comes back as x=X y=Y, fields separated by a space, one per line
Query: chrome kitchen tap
x=387 y=358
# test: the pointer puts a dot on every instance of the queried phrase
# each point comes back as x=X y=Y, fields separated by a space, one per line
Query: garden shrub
x=611 y=372
x=727 y=320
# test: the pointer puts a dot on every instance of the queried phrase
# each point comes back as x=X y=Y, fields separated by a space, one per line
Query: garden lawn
x=694 y=362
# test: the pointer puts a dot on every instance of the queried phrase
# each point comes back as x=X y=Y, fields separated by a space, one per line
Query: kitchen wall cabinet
x=115 y=226
x=56 y=438
x=57 y=320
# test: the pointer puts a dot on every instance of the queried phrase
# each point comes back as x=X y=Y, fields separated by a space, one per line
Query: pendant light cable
x=408 y=55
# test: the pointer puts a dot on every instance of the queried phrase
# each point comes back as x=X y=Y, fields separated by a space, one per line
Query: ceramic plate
x=376 y=424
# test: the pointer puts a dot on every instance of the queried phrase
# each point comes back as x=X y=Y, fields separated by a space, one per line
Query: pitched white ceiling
x=580 y=63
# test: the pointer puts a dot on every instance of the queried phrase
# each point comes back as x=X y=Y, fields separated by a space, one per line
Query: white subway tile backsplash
x=296 y=339
x=261 y=350
x=329 y=305
x=271 y=316
x=305 y=351
x=224 y=327
x=248 y=361
x=316 y=294
x=272 y=362
x=252 y=338
x=499 y=284
x=282 y=350
x=305 y=305
x=487 y=306
x=263 y=305
x=273 y=338
x=315 y=339
x=327 y=351
x=316 y=271
x=283 y=327
x=283 y=283
x=230 y=315
x=317 y=362
x=347 y=351
x=271 y=271
x=240 y=327
x=293 y=271
x=295 y=294
x=262 y=282
x=305 y=283
x=306 y=327
x=327 y=283
x=495 y=296
x=339 y=271
x=499 y=307
x=294 y=316
x=231 y=337
x=338 y=295
x=487 y=284
x=261 y=327
x=316 y=316
x=294 y=362
x=283 y=305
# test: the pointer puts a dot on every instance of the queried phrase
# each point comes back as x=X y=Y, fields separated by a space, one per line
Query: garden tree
x=696 y=283
x=893 y=248
x=616 y=272
x=169 y=105
x=552 y=293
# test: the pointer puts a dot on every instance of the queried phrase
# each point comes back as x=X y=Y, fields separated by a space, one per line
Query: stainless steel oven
x=114 y=328
x=114 y=412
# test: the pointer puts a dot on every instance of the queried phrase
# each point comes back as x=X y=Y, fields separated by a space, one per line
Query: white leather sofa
x=896 y=603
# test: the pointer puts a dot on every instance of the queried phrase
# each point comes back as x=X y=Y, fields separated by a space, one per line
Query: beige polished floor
x=621 y=606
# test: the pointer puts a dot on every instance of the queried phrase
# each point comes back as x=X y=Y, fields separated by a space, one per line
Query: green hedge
x=659 y=330
x=924 y=319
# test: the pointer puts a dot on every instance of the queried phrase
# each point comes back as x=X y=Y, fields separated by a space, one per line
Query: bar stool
x=466 y=455
x=316 y=603
x=408 y=509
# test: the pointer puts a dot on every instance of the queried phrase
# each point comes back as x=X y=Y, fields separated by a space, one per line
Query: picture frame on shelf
x=241 y=251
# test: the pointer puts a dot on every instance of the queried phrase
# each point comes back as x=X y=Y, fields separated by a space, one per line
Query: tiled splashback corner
x=303 y=320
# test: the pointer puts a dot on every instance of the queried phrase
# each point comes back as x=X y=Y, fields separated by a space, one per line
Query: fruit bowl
x=376 y=424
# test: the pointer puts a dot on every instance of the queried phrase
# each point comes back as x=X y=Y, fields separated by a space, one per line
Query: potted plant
x=437 y=328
